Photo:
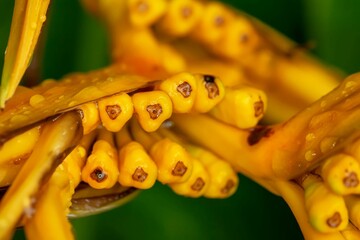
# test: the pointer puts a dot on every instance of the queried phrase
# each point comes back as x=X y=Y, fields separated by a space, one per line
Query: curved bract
x=179 y=104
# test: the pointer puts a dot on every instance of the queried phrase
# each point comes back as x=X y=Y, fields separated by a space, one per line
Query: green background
x=77 y=42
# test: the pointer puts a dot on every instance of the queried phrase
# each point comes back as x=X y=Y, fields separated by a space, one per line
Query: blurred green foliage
x=77 y=42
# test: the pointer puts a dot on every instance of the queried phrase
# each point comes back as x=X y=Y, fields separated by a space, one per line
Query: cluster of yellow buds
x=127 y=139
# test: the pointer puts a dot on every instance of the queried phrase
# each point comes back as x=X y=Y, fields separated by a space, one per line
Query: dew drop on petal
x=323 y=104
x=310 y=155
x=327 y=144
x=309 y=137
x=19 y=118
x=350 y=85
x=36 y=100
x=72 y=103
x=43 y=18
x=33 y=25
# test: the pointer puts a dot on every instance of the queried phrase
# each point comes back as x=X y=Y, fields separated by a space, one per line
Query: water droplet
x=72 y=103
x=61 y=167
x=345 y=93
x=19 y=118
x=310 y=137
x=47 y=82
x=327 y=144
x=33 y=25
x=43 y=18
x=88 y=91
x=59 y=99
x=81 y=151
x=36 y=100
x=310 y=155
x=323 y=104
x=350 y=84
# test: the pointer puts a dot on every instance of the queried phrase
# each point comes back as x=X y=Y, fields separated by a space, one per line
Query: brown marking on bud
x=186 y=12
x=211 y=86
x=213 y=90
x=185 y=89
x=259 y=108
x=219 y=21
x=209 y=78
x=351 y=180
x=113 y=111
x=154 y=110
x=256 y=134
x=139 y=175
x=244 y=38
x=20 y=159
x=98 y=175
x=142 y=7
x=198 y=184
x=229 y=185
x=179 y=169
x=334 y=221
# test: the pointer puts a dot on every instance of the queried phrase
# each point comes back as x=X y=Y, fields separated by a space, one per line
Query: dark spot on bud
x=219 y=21
x=259 y=108
x=185 y=89
x=211 y=86
x=198 y=184
x=179 y=169
x=258 y=133
x=21 y=159
x=229 y=185
x=186 y=12
x=98 y=175
x=113 y=111
x=351 y=180
x=154 y=110
x=139 y=175
x=142 y=7
x=244 y=38
x=209 y=78
x=213 y=90
x=334 y=221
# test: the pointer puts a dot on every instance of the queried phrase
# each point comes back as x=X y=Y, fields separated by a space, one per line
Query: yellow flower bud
x=145 y=12
x=101 y=168
x=181 y=88
x=90 y=116
x=242 y=107
x=115 y=111
x=181 y=17
x=173 y=162
x=210 y=91
x=152 y=109
x=136 y=168
x=197 y=183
